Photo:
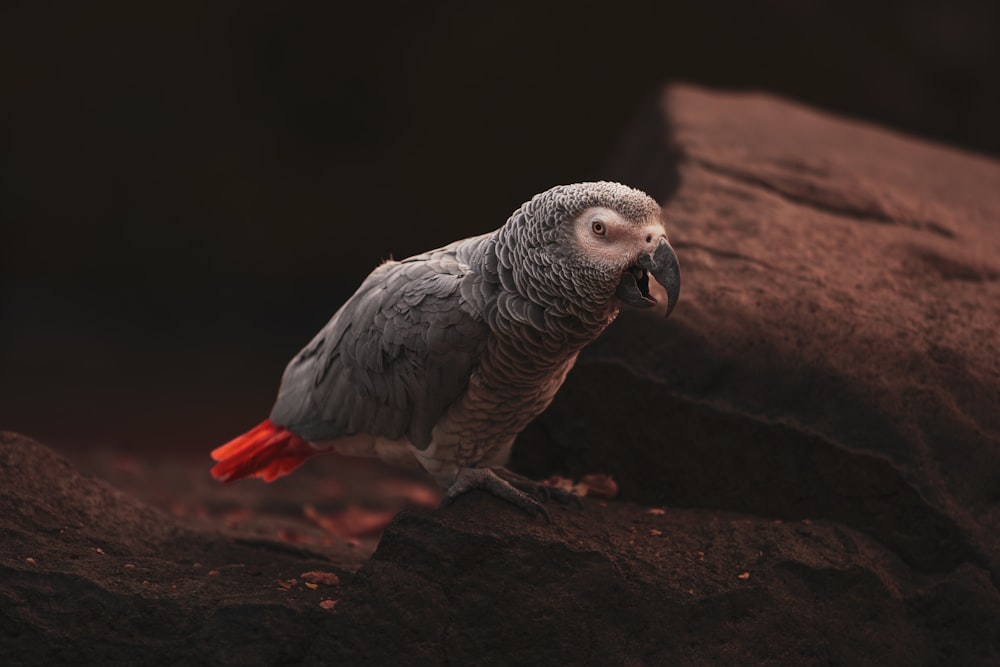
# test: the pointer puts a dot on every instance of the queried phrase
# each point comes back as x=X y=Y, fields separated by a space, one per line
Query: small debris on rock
x=600 y=485
x=30 y=561
x=597 y=484
x=213 y=573
x=129 y=566
x=311 y=585
x=744 y=575
x=655 y=511
x=328 y=604
x=655 y=533
x=320 y=577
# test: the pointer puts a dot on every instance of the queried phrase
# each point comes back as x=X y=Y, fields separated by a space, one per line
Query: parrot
x=440 y=360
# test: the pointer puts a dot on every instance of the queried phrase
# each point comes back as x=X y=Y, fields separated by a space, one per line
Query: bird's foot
x=506 y=485
x=538 y=489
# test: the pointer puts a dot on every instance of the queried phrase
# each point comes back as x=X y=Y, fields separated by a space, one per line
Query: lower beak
x=662 y=265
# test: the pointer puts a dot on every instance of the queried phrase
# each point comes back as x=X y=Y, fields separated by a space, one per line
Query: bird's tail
x=267 y=451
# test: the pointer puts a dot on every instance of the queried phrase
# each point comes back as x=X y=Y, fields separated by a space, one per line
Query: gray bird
x=443 y=358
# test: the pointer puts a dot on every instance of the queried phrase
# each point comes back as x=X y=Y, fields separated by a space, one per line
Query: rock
x=477 y=583
x=817 y=422
x=89 y=575
x=834 y=354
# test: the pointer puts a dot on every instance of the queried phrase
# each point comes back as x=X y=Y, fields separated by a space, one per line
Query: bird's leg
x=529 y=485
x=489 y=481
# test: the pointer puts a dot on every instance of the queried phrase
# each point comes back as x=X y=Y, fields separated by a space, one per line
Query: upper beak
x=662 y=265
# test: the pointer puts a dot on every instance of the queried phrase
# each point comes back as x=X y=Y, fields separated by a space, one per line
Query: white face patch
x=612 y=241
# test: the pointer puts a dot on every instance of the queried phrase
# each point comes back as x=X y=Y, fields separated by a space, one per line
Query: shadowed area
x=189 y=189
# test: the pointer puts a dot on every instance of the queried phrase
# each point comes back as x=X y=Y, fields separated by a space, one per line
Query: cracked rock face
x=808 y=454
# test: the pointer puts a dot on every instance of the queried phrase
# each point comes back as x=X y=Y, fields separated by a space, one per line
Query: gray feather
x=408 y=331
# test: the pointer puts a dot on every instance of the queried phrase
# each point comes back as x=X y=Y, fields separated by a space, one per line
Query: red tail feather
x=267 y=451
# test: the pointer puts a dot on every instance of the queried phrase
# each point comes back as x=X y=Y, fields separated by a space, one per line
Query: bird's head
x=601 y=241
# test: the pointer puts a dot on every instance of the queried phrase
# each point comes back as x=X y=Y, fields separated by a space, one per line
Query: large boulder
x=835 y=351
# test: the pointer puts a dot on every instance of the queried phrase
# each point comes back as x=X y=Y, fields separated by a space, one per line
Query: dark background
x=189 y=189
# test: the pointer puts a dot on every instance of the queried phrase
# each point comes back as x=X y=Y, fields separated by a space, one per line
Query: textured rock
x=477 y=583
x=90 y=575
x=816 y=428
x=834 y=353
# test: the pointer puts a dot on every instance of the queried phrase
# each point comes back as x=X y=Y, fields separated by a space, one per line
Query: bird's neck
x=531 y=303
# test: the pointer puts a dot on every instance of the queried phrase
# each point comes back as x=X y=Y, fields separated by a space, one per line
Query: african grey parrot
x=443 y=358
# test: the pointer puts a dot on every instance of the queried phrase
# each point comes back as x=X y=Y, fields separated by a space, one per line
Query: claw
x=512 y=487
x=489 y=481
x=544 y=491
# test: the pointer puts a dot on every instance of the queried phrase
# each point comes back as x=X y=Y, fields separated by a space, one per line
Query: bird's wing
x=392 y=359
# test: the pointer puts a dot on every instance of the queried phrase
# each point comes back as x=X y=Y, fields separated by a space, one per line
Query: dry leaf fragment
x=559 y=482
x=600 y=485
x=745 y=575
x=655 y=533
x=328 y=604
x=286 y=584
x=320 y=577
x=567 y=485
x=311 y=585
x=655 y=511
x=99 y=550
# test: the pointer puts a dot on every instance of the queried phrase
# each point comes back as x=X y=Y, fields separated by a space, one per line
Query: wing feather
x=392 y=359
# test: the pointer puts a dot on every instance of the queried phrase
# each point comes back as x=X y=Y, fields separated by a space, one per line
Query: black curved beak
x=662 y=265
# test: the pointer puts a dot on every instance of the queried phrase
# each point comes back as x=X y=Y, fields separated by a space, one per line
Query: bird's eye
x=599 y=228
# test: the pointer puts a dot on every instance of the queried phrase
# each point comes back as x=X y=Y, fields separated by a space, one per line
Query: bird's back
x=393 y=357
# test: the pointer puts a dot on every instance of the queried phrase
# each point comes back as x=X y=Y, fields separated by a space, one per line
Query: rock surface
x=834 y=353
x=815 y=430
